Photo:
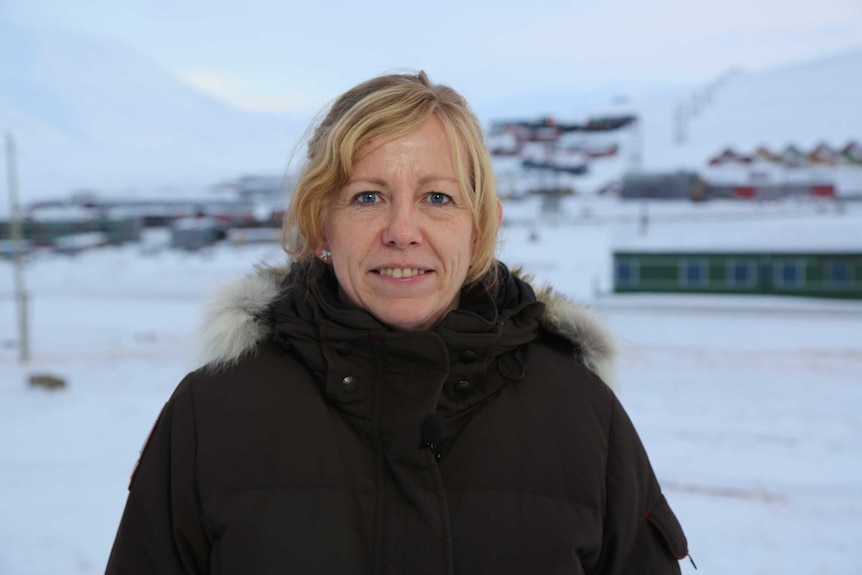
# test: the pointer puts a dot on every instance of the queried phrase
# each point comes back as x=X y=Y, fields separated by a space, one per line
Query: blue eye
x=439 y=198
x=366 y=198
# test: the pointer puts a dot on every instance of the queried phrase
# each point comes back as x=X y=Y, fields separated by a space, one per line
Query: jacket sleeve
x=641 y=533
x=162 y=531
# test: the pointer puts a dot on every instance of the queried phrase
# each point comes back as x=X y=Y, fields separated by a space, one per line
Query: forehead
x=428 y=146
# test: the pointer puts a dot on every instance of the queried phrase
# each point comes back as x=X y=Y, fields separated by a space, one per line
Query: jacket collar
x=237 y=320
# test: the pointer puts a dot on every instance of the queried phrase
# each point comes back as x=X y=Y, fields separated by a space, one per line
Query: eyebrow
x=383 y=183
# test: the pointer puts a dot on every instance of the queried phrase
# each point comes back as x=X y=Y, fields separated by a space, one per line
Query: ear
x=499 y=213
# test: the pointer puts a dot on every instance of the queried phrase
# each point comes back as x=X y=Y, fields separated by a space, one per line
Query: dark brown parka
x=316 y=440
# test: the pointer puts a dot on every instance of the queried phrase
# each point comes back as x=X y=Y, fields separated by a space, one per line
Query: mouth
x=399 y=273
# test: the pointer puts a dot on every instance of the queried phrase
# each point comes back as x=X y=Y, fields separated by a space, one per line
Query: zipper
x=440 y=492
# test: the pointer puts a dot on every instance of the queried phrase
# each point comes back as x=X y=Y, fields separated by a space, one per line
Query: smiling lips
x=400 y=272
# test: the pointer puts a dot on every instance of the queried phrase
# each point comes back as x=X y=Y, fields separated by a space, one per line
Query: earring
x=325 y=255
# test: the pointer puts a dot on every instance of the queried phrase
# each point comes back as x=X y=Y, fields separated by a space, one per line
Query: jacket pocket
x=663 y=522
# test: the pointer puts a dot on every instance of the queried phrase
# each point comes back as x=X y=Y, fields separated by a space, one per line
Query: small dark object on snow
x=47 y=381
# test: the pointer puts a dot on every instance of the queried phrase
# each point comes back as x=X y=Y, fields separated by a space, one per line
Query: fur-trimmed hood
x=235 y=322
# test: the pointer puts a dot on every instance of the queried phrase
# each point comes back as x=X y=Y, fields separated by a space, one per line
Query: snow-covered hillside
x=91 y=113
x=804 y=105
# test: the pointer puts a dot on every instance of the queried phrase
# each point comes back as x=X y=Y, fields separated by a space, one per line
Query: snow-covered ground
x=749 y=408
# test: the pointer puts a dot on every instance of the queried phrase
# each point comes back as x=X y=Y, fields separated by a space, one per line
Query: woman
x=395 y=400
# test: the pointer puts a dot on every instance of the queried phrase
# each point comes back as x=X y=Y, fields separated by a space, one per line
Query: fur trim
x=233 y=320
x=583 y=327
x=234 y=323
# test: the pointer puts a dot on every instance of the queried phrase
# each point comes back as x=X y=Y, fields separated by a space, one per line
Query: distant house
x=609 y=123
x=813 y=189
x=795 y=266
x=45 y=228
x=513 y=138
x=574 y=166
x=596 y=152
x=824 y=155
x=793 y=156
x=729 y=156
x=763 y=154
x=193 y=234
x=662 y=186
x=852 y=153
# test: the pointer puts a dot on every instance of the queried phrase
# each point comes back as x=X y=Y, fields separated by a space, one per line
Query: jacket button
x=468 y=356
x=343 y=348
x=349 y=384
x=463 y=387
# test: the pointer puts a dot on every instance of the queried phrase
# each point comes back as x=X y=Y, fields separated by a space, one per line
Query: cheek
x=464 y=250
x=336 y=232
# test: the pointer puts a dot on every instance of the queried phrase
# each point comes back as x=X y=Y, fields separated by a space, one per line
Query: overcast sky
x=278 y=55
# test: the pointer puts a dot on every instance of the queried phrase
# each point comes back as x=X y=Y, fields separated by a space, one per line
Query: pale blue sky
x=295 y=56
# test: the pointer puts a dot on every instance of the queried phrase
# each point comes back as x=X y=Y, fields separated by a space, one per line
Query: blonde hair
x=388 y=107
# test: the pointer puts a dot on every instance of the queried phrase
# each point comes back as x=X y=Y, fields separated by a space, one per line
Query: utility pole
x=17 y=238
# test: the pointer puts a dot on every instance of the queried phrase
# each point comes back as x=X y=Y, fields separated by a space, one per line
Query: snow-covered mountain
x=803 y=105
x=91 y=113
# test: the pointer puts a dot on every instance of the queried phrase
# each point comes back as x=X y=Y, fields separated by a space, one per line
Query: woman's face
x=400 y=231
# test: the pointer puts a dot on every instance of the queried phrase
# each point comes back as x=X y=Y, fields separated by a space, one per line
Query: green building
x=823 y=259
x=45 y=232
x=816 y=274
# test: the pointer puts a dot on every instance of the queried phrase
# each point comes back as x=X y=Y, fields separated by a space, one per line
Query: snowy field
x=751 y=408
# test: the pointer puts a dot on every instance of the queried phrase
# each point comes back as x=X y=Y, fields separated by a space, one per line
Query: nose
x=402 y=227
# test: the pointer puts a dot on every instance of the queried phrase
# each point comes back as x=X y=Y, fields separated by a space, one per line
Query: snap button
x=468 y=356
x=349 y=384
x=343 y=348
x=463 y=387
